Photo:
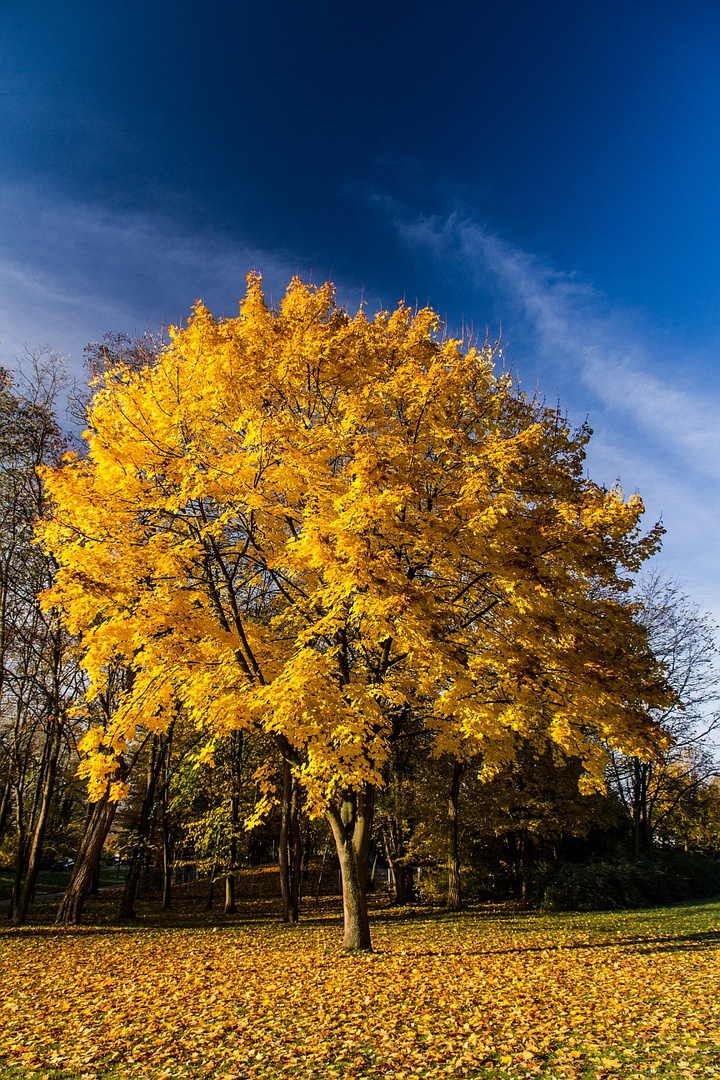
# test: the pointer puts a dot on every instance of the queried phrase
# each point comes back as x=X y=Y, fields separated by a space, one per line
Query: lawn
x=488 y=993
x=50 y=882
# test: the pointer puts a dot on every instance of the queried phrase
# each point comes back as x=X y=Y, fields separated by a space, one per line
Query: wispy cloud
x=651 y=429
x=69 y=271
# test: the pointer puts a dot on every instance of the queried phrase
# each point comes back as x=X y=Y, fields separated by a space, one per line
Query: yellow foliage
x=307 y=522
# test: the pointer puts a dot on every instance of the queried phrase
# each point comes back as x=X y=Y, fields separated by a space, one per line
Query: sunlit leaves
x=307 y=522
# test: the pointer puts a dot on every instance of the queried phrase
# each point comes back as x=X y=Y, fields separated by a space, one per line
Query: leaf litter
x=611 y=995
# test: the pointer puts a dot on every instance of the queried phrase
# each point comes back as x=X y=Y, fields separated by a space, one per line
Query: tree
x=683 y=640
x=309 y=523
x=38 y=674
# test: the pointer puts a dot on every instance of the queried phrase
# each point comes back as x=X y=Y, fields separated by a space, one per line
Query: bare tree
x=38 y=674
x=683 y=639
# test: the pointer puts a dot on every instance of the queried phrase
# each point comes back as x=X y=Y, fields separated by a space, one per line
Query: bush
x=600 y=884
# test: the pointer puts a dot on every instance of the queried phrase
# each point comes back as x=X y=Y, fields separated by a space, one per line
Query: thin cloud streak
x=563 y=315
x=69 y=272
x=651 y=431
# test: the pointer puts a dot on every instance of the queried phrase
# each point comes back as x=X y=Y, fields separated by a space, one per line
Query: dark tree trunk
x=5 y=806
x=454 y=892
x=20 y=911
x=95 y=886
x=98 y=826
x=395 y=853
x=167 y=837
x=236 y=748
x=126 y=910
x=403 y=884
x=351 y=825
x=211 y=890
x=642 y=832
x=21 y=852
x=527 y=861
x=321 y=875
x=230 y=905
x=290 y=847
x=167 y=859
x=144 y=828
x=371 y=879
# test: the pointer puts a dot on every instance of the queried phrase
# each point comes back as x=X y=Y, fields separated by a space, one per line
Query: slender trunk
x=211 y=891
x=230 y=905
x=20 y=861
x=395 y=853
x=20 y=912
x=73 y=902
x=639 y=807
x=296 y=849
x=167 y=845
x=5 y=806
x=526 y=863
x=40 y=784
x=647 y=808
x=308 y=849
x=126 y=910
x=290 y=847
x=236 y=745
x=321 y=875
x=95 y=886
x=144 y=828
x=351 y=826
x=371 y=879
x=454 y=893
x=167 y=861
x=283 y=854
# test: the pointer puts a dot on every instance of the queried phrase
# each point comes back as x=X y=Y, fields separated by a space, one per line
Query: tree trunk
x=526 y=863
x=126 y=910
x=403 y=883
x=20 y=861
x=73 y=902
x=351 y=826
x=321 y=875
x=144 y=828
x=95 y=886
x=230 y=905
x=236 y=744
x=395 y=853
x=167 y=859
x=371 y=879
x=454 y=894
x=5 y=806
x=290 y=847
x=642 y=839
x=21 y=909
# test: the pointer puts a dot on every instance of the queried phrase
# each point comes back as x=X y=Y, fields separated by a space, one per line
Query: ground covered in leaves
x=487 y=994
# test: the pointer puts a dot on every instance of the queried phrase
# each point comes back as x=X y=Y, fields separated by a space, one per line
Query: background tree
x=39 y=678
x=683 y=639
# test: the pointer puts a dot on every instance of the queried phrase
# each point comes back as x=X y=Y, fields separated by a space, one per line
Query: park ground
x=491 y=993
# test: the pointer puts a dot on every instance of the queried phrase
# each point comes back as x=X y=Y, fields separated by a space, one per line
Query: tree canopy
x=313 y=524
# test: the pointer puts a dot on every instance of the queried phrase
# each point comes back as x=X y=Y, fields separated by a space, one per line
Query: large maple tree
x=312 y=523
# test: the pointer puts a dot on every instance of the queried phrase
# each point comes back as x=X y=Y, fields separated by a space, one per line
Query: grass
x=50 y=882
x=490 y=994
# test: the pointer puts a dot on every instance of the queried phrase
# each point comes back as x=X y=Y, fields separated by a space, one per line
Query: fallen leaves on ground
x=605 y=996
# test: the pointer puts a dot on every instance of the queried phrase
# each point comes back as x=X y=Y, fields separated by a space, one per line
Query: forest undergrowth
x=489 y=993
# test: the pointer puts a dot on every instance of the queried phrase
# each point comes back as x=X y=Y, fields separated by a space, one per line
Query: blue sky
x=549 y=168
